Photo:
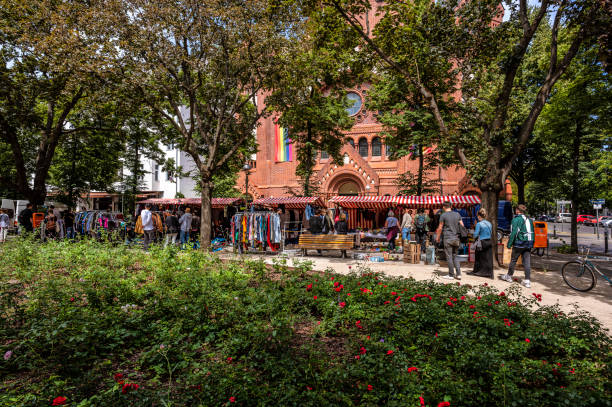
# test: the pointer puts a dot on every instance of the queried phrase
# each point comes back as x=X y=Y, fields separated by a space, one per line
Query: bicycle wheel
x=579 y=276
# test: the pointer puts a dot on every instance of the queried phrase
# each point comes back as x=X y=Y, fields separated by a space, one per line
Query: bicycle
x=580 y=275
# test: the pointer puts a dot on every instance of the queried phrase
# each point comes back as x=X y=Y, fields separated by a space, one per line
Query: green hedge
x=111 y=326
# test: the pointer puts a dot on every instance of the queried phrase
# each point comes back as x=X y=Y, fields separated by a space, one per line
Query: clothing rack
x=251 y=229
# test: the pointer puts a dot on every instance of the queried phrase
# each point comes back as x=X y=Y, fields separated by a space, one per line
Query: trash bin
x=541 y=235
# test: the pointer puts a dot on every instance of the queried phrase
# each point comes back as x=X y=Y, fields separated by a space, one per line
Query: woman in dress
x=483 y=264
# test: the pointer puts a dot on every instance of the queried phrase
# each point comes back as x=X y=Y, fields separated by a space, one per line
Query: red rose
x=496 y=302
x=502 y=294
x=393 y=293
x=118 y=377
x=463 y=297
x=357 y=357
x=389 y=352
x=472 y=307
x=72 y=299
x=332 y=279
x=229 y=359
x=308 y=388
x=59 y=401
x=527 y=340
x=413 y=369
x=315 y=297
x=370 y=387
x=444 y=404
x=450 y=303
x=342 y=304
x=129 y=386
x=309 y=287
x=363 y=350
x=422 y=401
x=387 y=302
x=232 y=399
x=336 y=284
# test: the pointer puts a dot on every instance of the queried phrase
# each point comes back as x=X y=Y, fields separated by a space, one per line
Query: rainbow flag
x=282 y=144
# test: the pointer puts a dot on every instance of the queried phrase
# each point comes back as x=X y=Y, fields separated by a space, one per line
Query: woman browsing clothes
x=483 y=263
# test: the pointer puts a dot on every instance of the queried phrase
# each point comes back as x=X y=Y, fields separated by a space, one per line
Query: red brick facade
x=371 y=175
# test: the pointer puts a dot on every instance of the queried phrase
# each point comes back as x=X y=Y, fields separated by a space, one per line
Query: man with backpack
x=520 y=241
x=420 y=228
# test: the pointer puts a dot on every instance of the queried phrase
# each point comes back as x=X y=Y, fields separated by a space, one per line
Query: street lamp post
x=247 y=168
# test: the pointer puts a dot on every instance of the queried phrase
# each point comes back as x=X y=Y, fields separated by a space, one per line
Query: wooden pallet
x=412 y=258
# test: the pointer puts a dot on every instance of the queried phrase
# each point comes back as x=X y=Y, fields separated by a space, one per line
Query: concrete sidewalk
x=548 y=283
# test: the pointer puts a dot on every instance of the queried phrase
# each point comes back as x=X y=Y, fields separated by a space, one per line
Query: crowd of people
x=445 y=229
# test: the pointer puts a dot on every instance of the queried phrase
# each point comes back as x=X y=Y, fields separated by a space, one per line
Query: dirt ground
x=547 y=282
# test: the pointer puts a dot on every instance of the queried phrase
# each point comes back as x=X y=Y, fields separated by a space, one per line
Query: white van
x=21 y=205
x=564 y=218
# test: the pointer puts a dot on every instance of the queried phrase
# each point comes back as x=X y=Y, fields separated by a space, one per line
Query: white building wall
x=157 y=179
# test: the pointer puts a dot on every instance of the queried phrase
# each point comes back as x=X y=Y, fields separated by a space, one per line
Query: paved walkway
x=548 y=283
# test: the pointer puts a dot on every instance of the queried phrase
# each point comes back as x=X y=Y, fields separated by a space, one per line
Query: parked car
x=607 y=223
x=602 y=219
x=589 y=219
x=546 y=218
x=564 y=218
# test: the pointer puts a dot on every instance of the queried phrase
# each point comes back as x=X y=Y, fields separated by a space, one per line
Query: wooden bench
x=325 y=242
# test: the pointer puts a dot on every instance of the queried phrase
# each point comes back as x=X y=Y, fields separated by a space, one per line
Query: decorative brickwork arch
x=352 y=164
x=342 y=178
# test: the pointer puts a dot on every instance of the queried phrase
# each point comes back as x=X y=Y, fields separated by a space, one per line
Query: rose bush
x=97 y=325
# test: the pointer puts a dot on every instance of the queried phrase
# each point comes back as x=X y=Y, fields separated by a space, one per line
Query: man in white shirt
x=406 y=226
x=147 y=226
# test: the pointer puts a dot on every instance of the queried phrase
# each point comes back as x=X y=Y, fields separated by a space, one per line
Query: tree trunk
x=420 y=173
x=489 y=201
x=36 y=196
x=308 y=172
x=206 y=215
x=575 y=186
x=520 y=186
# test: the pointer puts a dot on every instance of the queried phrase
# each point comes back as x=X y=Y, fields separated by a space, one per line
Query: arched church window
x=376 y=147
x=363 y=147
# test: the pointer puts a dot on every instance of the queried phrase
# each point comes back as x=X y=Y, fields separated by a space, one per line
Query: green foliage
x=310 y=99
x=579 y=111
x=190 y=329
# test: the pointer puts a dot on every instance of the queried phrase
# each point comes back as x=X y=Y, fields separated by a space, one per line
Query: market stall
x=296 y=211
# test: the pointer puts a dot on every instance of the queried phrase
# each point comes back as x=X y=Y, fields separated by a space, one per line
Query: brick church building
x=366 y=167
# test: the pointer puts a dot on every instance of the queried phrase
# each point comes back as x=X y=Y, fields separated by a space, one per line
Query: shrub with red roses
x=189 y=329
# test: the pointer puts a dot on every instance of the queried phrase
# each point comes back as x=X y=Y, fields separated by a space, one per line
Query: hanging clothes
x=256 y=229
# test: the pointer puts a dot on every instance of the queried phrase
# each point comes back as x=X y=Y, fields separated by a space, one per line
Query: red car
x=586 y=219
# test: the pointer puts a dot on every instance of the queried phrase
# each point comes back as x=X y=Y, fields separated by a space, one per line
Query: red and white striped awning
x=216 y=202
x=365 y=202
x=290 y=202
x=161 y=201
x=382 y=202
x=436 y=201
